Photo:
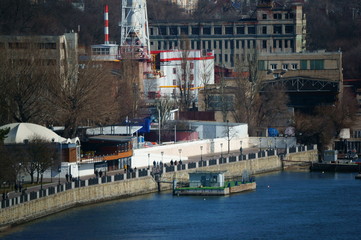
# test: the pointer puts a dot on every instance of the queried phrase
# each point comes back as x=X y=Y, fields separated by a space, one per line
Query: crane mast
x=134 y=41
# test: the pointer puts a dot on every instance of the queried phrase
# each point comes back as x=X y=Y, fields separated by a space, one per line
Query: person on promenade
x=67 y=177
x=100 y=173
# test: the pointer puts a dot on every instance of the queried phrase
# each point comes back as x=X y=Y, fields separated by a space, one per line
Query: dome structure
x=22 y=132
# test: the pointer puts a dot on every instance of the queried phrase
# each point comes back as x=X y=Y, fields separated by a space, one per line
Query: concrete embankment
x=33 y=209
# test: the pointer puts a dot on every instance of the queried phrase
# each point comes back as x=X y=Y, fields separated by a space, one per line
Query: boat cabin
x=206 y=179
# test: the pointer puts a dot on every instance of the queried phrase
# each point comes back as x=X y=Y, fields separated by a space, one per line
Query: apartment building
x=55 y=52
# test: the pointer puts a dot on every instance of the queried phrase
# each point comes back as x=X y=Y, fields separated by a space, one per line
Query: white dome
x=19 y=132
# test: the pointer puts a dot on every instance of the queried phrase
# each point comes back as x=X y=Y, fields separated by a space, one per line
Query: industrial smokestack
x=106 y=25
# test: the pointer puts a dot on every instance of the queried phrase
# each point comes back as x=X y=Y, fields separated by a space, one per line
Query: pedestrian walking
x=67 y=177
x=100 y=173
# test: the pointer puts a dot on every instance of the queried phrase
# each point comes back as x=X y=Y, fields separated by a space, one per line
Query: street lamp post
x=59 y=172
x=148 y=160
x=201 y=153
x=260 y=140
x=241 y=149
x=180 y=154
x=162 y=153
x=275 y=143
x=221 y=150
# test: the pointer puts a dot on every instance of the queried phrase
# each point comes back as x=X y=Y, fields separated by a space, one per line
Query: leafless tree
x=255 y=104
x=22 y=79
x=39 y=156
x=80 y=96
x=129 y=92
x=326 y=122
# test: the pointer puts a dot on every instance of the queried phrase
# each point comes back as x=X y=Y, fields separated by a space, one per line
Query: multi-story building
x=56 y=52
x=309 y=78
x=172 y=70
x=271 y=29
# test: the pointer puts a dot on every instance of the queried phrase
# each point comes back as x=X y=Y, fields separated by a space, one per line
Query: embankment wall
x=30 y=210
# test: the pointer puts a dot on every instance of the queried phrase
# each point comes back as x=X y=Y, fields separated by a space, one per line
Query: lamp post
x=241 y=149
x=59 y=172
x=201 y=153
x=180 y=154
x=260 y=140
x=162 y=153
x=148 y=160
x=275 y=143
x=228 y=136
x=221 y=150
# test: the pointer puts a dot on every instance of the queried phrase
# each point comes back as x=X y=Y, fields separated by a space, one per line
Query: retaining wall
x=234 y=166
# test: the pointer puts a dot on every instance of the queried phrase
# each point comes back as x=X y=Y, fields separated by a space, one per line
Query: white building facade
x=175 y=68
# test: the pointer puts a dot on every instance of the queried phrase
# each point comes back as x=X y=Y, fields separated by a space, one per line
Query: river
x=286 y=205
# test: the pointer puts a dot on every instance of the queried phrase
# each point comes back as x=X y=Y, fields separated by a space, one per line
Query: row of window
x=279 y=16
x=219 y=30
x=36 y=62
x=28 y=45
x=100 y=51
x=207 y=44
x=302 y=65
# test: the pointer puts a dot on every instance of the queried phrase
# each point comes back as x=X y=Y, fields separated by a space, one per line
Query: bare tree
x=39 y=156
x=129 y=92
x=326 y=122
x=22 y=79
x=81 y=96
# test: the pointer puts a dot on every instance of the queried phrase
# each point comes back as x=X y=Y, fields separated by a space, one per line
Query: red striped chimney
x=106 y=25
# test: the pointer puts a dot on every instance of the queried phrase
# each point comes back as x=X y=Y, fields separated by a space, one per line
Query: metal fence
x=24 y=197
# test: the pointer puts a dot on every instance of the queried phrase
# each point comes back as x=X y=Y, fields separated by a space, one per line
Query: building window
x=184 y=30
x=46 y=45
x=276 y=75
x=174 y=82
x=226 y=57
x=151 y=43
x=285 y=66
x=273 y=66
x=229 y=30
x=303 y=64
x=264 y=30
x=317 y=64
x=191 y=65
x=264 y=44
x=100 y=51
x=195 y=30
x=289 y=29
x=206 y=30
x=280 y=43
x=264 y=16
x=173 y=31
x=274 y=43
x=174 y=71
x=226 y=44
x=237 y=44
x=217 y=30
x=191 y=77
x=277 y=16
x=294 y=66
x=162 y=30
x=242 y=43
x=261 y=64
x=251 y=30
x=19 y=45
x=240 y=30
x=277 y=29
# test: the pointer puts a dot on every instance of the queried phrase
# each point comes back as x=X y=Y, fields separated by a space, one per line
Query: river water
x=286 y=205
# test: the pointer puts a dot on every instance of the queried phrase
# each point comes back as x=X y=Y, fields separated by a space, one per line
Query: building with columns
x=272 y=28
